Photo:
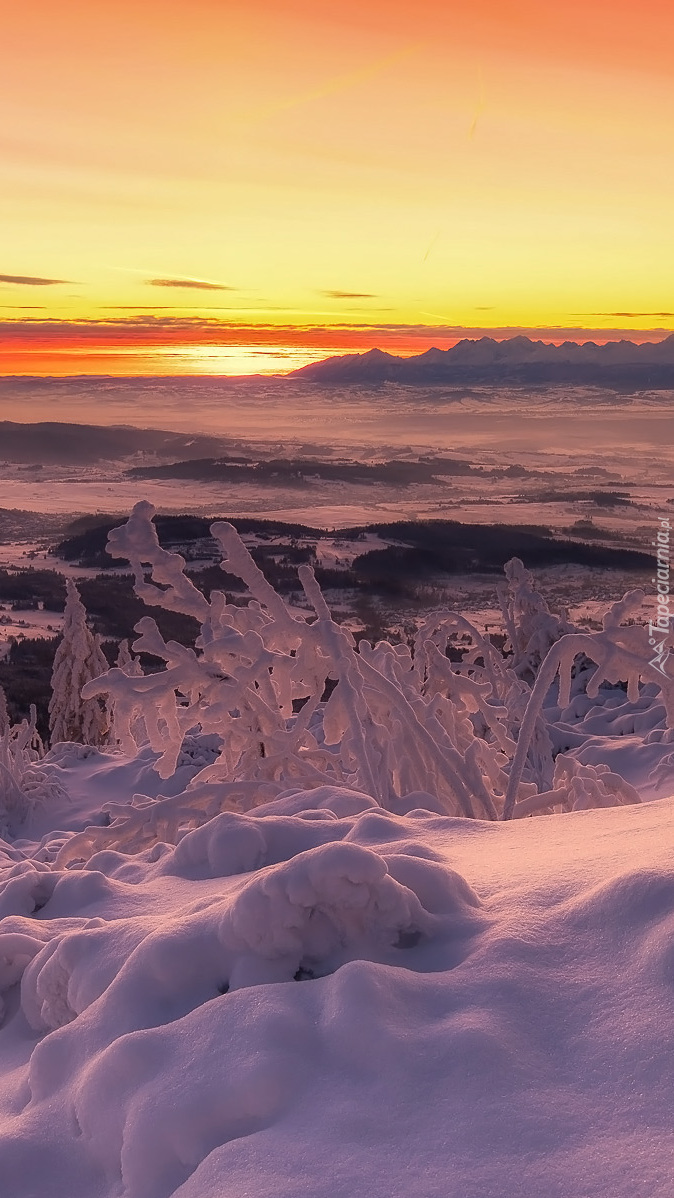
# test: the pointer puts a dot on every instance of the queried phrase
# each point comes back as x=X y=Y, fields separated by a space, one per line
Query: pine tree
x=78 y=659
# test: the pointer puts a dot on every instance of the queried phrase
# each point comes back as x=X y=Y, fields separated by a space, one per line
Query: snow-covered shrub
x=476 y=734
x=530 y=626
x=257 y=677
x=23 y=783
x=78 y=659
x=620 y=654
x=578 y=787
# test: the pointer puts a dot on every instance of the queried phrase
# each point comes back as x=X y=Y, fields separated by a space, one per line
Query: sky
x=224 y=186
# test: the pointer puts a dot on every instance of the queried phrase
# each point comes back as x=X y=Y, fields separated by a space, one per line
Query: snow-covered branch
x=393 y=722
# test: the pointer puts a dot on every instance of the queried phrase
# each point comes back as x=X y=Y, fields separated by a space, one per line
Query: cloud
x=149 y=308
x=348 y=294
x=627 y=315
x=31 y=281
x=39 y=335
x=194 y=284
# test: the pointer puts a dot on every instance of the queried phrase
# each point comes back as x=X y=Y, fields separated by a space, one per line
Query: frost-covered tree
x=79 y=658
x=129 y=665
x=530 y=626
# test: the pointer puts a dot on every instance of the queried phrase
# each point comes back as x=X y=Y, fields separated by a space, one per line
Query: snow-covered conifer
x=79 y=658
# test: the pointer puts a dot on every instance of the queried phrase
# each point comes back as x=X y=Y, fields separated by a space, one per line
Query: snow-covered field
x=323 y=504
x=567 y=439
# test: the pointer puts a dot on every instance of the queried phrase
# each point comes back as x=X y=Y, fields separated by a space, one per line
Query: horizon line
x=166 y=348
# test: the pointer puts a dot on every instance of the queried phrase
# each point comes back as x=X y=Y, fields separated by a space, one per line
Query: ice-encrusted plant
x=620 y=654
x=128 y=664
x=257 y=679
x=531 y=628
x=399 y=721
x=24 y=784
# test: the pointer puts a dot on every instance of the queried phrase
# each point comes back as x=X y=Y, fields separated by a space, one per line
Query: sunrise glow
x=302 y=179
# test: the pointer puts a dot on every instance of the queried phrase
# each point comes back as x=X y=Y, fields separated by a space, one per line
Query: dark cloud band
x=142 y=328
x=190 y=284
x=348 y=294
x=627 y=315
x=31 y=281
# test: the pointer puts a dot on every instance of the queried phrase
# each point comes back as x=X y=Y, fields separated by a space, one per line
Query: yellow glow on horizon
x=237 y=360
x=339 y=165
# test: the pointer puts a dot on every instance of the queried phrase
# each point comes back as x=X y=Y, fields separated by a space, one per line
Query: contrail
x=431 y=244
x=481 y=104
x=338 y=84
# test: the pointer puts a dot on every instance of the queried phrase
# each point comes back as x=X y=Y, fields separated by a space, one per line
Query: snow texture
x=322 y=997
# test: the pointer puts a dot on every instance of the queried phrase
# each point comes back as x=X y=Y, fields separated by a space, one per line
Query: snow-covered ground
x=324 y=998
x=324 y=504
x=28 y=624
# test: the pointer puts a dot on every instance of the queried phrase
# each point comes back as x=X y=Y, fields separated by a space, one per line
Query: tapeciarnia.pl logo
x=659 y=631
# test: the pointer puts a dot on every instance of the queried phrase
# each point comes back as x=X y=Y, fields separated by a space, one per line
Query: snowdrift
x=326 y=998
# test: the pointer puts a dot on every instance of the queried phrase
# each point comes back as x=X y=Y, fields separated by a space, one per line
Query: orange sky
x=319 y=176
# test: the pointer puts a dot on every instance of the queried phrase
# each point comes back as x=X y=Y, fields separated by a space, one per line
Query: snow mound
x=322 y=1003
x=299 y=919
x=326 y=906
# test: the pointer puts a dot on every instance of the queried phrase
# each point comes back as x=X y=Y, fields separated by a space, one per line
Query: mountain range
x=515 y=360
